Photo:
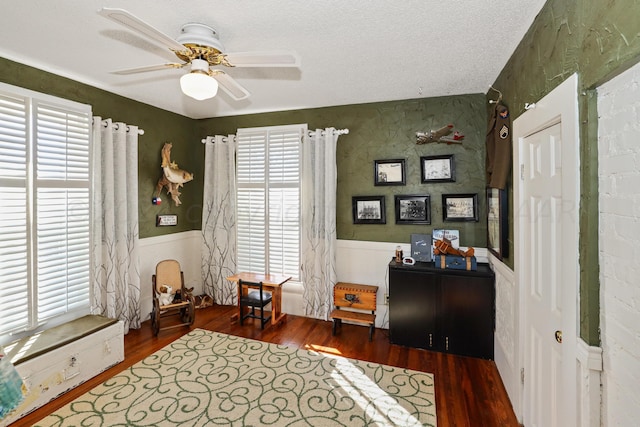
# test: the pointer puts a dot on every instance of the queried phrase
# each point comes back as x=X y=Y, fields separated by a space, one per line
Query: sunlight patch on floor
x=382 y=408
x=322 y=349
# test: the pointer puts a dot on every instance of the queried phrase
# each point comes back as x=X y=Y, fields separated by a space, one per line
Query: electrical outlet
x=386 y=299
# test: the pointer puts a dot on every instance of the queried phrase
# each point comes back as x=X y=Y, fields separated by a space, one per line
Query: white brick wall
x=619 y=189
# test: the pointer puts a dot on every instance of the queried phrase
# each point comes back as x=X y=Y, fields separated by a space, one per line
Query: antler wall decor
x=173 y=178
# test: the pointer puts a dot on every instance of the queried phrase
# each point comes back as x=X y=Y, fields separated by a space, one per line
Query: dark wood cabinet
x=442 y=310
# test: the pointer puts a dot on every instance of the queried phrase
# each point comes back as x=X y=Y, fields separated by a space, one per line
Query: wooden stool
x=348 y=296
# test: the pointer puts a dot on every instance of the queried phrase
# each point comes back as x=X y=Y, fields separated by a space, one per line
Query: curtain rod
x=335 y=131
x=116 y=125
x=204 y=140
x=310 y=133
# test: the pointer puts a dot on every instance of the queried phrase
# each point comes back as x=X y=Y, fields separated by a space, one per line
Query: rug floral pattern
x=211 y=379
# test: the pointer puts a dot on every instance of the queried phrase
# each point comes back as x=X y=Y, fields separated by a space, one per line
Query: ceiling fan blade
x=231 y=86
x=280 y=58
x=147 y=68
x=134 y=23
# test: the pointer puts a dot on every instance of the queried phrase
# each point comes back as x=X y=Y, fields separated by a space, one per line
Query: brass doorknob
x=559 y=336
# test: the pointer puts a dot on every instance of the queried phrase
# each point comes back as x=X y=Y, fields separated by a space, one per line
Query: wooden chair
x=168 y=273
x=252 y=295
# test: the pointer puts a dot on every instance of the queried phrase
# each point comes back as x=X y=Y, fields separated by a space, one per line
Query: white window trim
x=301 y=130
x=31 y=100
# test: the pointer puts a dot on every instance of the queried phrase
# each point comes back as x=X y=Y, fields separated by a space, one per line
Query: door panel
x=544 y=359
x=467 y=308
x=412 y=308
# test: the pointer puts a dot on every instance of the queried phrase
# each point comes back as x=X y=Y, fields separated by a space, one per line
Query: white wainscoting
x=506 y=344
x=588 y=384
x=361 y=262
x=367 y=263
x=183 y=247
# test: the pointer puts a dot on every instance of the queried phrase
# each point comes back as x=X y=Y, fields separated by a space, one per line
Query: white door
x=547 y=215
x=543 y=291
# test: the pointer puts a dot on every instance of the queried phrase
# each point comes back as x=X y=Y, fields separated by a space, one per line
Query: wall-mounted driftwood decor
x=172 y=177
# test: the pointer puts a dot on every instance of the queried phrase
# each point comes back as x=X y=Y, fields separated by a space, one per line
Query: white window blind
x=268 y=199
x=45 y=183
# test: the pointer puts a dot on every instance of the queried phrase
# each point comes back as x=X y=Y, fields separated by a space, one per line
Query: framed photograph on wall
x=389 y=172
x=414 y=209
x=438 y=168
x=459 y=207
x=497 y=222
x=368 y=210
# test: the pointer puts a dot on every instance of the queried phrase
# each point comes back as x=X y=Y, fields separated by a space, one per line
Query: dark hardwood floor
x=469 y=392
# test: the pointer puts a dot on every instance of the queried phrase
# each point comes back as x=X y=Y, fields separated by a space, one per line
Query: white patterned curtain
x=116 y=272
x=318 y=237
x=219 y=219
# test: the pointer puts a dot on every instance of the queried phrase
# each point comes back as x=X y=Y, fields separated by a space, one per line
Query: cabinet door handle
x=430 y=340
x=446 y=343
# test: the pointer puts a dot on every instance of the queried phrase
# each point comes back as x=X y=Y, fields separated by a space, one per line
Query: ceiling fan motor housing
x=199 y=34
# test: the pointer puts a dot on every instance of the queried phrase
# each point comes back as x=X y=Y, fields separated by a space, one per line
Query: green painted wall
x=159 y=126
x=387 y=131
x=597 y=40
x=377 y=131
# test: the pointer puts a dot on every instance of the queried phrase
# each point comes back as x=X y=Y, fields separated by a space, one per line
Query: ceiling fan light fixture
x=199 y=85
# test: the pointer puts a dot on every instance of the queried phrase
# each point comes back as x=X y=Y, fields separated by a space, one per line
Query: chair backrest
x=251 y=285
x=168 y=273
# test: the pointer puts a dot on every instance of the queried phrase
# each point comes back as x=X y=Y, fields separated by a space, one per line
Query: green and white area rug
x=212 y=379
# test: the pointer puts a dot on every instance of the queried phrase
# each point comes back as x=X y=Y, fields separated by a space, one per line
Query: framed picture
x=460 y=207
x=421 y=247
x=437 y=168
x=497 y=226
x=413 y=209
x=166 y=220
x=389 y=172
x=368 y=210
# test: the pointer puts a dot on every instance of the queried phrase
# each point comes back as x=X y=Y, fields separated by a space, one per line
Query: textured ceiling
x=352 y=51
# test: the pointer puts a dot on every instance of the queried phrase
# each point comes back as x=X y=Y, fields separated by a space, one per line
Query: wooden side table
x=350 y=297
x=272 y=281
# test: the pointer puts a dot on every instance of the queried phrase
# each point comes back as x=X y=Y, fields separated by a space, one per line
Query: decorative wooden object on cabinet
x=446 y=310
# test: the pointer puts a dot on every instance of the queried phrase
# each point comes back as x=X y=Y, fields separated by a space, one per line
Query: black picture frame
x=413 y=209
x=497 y=222
x=437 y=168
x=460 y=207
x=389 y=172
x=368 y=210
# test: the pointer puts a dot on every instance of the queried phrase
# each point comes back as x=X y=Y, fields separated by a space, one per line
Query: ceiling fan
x=198 y=46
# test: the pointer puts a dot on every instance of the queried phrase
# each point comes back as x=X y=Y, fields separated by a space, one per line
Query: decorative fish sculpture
x=173 y=177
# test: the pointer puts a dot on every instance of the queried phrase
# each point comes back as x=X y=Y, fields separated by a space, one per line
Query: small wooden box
x=351 y=295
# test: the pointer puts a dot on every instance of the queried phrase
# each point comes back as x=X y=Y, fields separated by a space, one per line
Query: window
x=268 y=199
x=44 y=218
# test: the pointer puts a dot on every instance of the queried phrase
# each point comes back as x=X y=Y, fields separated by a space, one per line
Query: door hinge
x=522 y=172
x=522 y=376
